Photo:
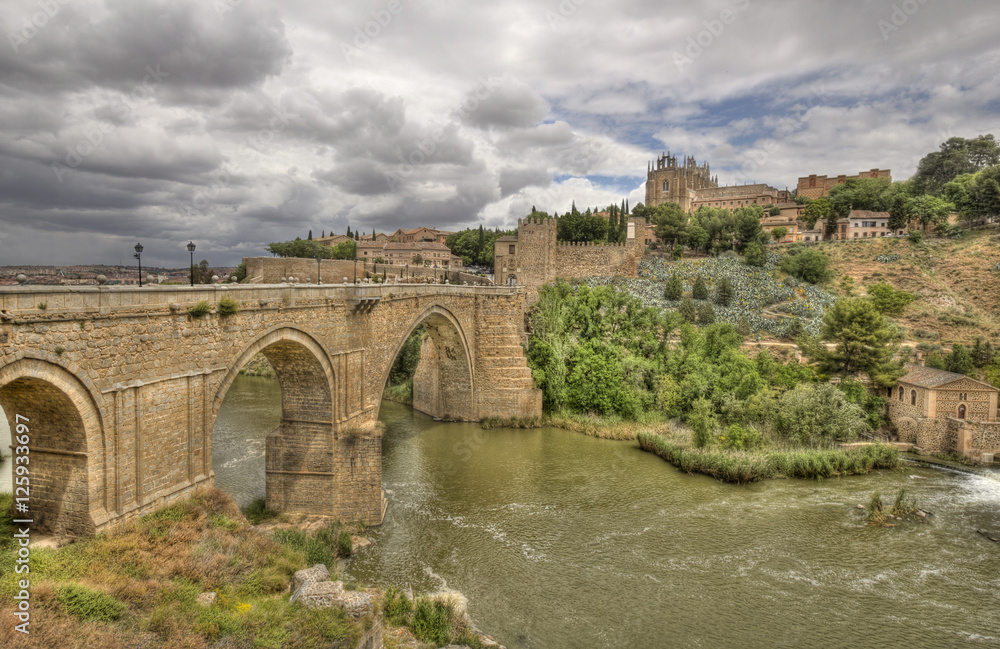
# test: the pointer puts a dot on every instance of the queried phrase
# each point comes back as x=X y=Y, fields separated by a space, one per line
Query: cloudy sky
x=235 y=123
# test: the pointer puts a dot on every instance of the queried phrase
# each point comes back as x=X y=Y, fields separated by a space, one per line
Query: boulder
x=206 y=599
x=310 y=576
x=328 y=594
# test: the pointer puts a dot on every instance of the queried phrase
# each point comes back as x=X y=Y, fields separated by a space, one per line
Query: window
x=961 y=411
x=511 y=249
x=666 y=185
x=900 y=393
x=913 y=397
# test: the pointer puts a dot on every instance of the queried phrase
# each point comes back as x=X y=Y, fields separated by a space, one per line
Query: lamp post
x=191 y=250
x=319 y=270
x=138 y=255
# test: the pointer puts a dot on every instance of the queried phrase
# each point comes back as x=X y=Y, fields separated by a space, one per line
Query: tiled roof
x=868 y=214
x=928 y=377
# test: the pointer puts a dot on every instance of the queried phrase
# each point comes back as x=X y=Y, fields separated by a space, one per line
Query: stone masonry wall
x=271 y=270
x=125 y=385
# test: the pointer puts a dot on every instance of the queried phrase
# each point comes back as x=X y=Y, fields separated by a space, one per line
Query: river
x=561 y=540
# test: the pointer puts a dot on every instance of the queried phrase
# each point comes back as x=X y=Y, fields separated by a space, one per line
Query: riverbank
x=742 y=467
x=198 y=574
x=592 y=425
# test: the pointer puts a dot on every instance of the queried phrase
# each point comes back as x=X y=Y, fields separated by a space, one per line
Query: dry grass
x=157 y=566
x=952 y=279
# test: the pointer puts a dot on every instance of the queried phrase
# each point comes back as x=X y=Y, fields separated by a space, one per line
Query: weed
x=89 y=604
x=42 y=306
x=432 y=622
x=199 y=310
x=257 y=512
x=228 y=307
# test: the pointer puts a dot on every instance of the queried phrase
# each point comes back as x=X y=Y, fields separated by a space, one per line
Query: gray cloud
x=173 y=121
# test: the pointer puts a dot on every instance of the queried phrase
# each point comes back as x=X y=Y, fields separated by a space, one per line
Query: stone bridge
x=122 y=387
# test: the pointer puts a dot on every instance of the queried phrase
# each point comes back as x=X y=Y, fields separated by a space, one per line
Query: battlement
x=536 y=222
x=589 y=244
x=667 y=161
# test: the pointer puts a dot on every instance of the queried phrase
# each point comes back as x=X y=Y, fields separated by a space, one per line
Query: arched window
x=511 y=280
x=900 y=393
x=913 y=397
x=666 y=185
x=961 y=411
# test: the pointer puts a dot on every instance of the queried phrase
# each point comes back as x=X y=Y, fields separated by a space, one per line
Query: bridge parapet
x=48 y=302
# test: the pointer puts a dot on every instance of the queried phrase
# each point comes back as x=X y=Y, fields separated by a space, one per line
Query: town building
x=814 y=186
x=431 y=254
x=736 y=196
x=670 y=181
x=937 y=394
x=863 y=224
x=420 y=234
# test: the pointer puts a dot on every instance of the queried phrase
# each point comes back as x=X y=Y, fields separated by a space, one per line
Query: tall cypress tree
x=310 y=237
x=349 y=235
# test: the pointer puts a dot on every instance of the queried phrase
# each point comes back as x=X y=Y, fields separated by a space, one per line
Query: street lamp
x=319 y=271
x=138 y=252
x=191 y=250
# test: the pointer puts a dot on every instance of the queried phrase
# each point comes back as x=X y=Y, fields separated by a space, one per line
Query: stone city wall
x=276 y=270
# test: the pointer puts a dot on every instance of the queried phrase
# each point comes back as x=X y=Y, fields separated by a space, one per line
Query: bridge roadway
x=122 y=386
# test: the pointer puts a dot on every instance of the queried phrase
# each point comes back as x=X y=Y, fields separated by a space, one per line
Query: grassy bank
x=593 y=425
x=401 y=393
x=747 y=466
x=138 y=584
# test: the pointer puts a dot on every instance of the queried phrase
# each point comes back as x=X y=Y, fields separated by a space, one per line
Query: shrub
x=688 y=310
x=344 y=545
x=228 y=307
x=700 y=290
x=89 y=604
x=674 y=289
x=915 y=236
x=724 y=292
x=755 y=255
x=739 y=438
x=432 y=622
x=199 y=310
x=397 y=607
x=706 y=314
x=888 y=299
x=257 y=512
x=808 y=266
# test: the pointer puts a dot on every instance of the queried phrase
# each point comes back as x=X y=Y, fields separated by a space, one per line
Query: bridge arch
x=67 y=486
x=299 y=453
x=444 y=382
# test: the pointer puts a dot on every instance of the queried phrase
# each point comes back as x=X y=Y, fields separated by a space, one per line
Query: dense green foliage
x=228 y=307
x=957 y=156
x=806 y=265
x=309 y=249
x=475 y=245
x=888 y=299
x=89 y=604
x=599 y=350
x=865 y=342
x=406 y=360
x=741 y=467
x=754 y=255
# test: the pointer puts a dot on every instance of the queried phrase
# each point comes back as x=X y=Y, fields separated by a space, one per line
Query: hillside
x=954 y=280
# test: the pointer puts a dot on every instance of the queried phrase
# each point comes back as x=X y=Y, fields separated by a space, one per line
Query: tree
x=889 y=300
x=674 y=289
x=930 y=210
x=698 y=238
x=865 y=341
x=960 y=360
x=982 y=354
x=670 y=223
x=724 y=292
x=378 y=260
x=957 y=156
x=310 y=237
x=202 y=273
x=418 y=260
x=747 y=227
x=349 y=233
x=984 y=193
x=706 y=313
x=700 y=290
x=819 y=209
x=807 y=265
x=900 y=213
x=754 y=255
x=687 y=309
x=779 y=233
x=818 y=415
x=874 y=194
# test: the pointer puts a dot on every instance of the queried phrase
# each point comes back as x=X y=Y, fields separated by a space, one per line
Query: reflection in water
x=251 y=410
x=561 y=540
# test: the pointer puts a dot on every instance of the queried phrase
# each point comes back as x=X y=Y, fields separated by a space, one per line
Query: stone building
x=814 y=186
x=670 y=182
x=535 y=257
x=863 y=224
x=945 y=411
x=420 y=234
x=736 y=196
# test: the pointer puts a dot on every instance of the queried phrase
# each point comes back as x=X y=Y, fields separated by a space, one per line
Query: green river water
x=561 y=540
